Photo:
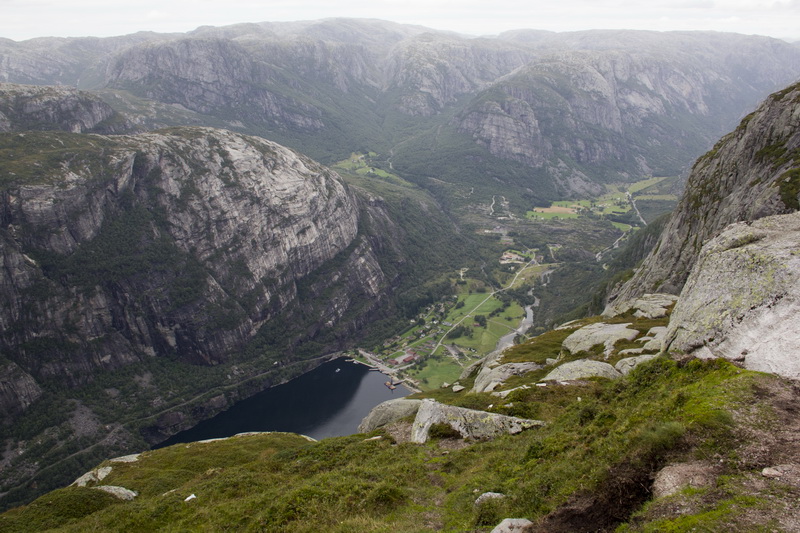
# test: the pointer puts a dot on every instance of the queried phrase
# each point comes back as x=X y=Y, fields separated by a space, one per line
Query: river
x=508 y=339
x=329 y=401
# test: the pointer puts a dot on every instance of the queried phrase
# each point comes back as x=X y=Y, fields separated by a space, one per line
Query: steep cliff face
x=181 y=243
x=742 y=298
x=29 y=107
x=430 y=71
x=212 y=76
x=751 y=173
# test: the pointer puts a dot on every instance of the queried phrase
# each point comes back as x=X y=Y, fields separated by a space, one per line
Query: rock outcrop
x=29 y=107
x=471 y=424
x=388 y=412
x=18 y=389
x=119 y=249
x=742 y=299
x=648 y=306
x=751 y=173
x=601 y=333
x=491 y=376
x=582 y=369
x=624 y=366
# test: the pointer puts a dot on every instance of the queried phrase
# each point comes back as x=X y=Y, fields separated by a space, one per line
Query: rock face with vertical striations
x=181 y=243
x=30 y=107
x=751 y=173
x=742 y=299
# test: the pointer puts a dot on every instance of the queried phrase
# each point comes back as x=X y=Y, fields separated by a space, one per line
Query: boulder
x=674 y=478
x=388 y=412
x=470 y=423
x=512 y=525
x=120 y=492
x=132 y=458
x=486 y=496
x=581 y=369
x=586 y=337
x=646 y=306
x=93 y=476
x=624 y=366
x=489 y=378
x=654 y=340
x=742 y=298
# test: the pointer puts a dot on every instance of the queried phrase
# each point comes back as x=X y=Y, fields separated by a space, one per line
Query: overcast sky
x=23 y=19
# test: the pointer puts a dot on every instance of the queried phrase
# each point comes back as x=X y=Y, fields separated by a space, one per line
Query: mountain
x=172 y=248
x=150 y=280
x=648 y=418
x=546 y=114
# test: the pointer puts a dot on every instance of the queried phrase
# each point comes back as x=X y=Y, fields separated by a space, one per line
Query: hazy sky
x=23 y=19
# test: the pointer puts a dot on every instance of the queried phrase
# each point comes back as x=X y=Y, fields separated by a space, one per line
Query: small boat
x=338 y=369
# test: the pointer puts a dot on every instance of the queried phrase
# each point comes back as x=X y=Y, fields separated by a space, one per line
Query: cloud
x=28 y=18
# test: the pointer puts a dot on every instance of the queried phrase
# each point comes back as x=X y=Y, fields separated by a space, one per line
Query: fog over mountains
x=546 y=114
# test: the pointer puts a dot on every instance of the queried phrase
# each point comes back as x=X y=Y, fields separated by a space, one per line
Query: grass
x=281 y=482
x=437 y=370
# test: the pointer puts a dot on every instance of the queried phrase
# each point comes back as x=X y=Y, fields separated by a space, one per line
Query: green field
x=613 y=202
x=438 y=369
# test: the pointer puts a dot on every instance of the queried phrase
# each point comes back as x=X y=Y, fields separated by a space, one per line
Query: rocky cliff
x=751 y=173
x=30 y=107
x=742 y=298
x=182 y=242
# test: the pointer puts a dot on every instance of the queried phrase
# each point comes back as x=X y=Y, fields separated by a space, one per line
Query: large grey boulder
x=512 y=525
x=582 y=369
x=120 y=492
x=93 y=476
x=586 y=337
x=388 y=412
x=470 y=423
x=646 y=306
x=673 y=478
x=742 y=299
x=490 y=378
x=624 y=366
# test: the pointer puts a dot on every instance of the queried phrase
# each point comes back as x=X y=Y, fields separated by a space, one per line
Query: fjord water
x=329 y=401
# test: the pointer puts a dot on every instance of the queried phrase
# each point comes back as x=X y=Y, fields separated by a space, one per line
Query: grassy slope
x=603 y=438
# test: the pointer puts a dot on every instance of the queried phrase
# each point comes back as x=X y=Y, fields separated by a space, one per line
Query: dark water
x=322 y=403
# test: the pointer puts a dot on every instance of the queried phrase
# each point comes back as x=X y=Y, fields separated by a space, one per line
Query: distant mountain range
x=543 y=114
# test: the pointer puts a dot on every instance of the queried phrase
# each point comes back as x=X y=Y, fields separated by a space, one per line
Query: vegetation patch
x=603 y=439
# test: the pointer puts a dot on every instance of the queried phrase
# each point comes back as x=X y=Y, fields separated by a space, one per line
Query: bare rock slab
x=120 y=492
x=470 y=423
x=582 y=369
x=606 y=334
x=490 y=378
x=388 y=412
x=742 y=298
x=512 y=525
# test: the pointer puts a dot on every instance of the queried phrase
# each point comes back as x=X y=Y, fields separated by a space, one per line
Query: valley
x=486 y=305
x=187 y=220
